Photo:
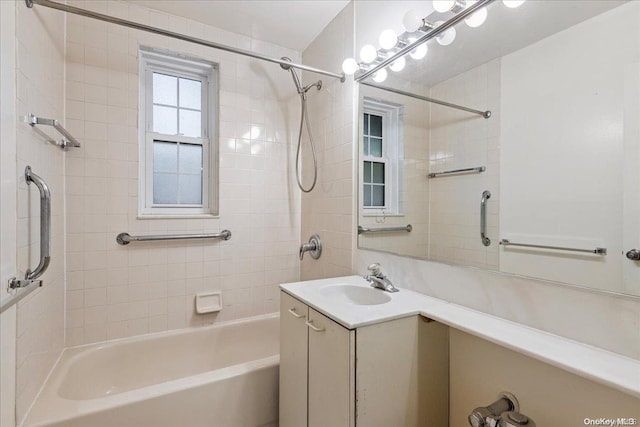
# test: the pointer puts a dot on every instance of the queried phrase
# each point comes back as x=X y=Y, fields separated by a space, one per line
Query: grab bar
x=68 y=141
x=45 y=232
x=597 y=251
x=486 y=195
x=25 y=289
x=456 y=171
x=126 y=238
x=406 y=228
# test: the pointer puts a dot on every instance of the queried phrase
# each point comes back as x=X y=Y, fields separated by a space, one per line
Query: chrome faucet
x=378 y=280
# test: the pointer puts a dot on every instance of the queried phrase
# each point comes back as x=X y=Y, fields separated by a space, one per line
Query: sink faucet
x=378 y=280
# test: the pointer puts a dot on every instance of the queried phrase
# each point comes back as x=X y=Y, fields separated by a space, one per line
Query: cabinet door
x=293 y=362
x=331 y=374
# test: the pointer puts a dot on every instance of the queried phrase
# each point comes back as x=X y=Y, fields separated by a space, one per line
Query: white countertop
x=602 y=366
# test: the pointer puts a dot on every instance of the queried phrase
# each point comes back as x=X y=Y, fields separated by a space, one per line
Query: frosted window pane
x=165 y=120
x=375 y=147
x=190 y=124
x=376 y=125
x=367 y=195
x=378 y=173
x=366 y=174
x=191 y=189
x=366 y=124
x=165 y=157
x=165 y=189
x=190 y=158
x=165 y=89
x=190 y=94
x=378 y=195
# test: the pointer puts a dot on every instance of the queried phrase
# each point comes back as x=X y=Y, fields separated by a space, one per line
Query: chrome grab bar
x=126 y=238
x=31 y=276
x=26 y=287
x=69 y=140
x=45 y=223
x=457 y=171
x=406 y=228
x=486 y=195
x=597 y=251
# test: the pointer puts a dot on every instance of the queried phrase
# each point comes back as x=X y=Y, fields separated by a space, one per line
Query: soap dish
x=208 y=302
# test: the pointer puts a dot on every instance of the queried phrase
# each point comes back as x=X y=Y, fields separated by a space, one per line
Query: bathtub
x=222 y=375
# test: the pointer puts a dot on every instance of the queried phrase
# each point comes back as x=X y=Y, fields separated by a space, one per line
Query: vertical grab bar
x=486 y=195
x=45 y=229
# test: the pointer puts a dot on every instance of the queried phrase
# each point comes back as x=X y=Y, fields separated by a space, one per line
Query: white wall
x=40 y=90
x=116 y=291
x=328 y=210
x=567 y=126
x=7 y=209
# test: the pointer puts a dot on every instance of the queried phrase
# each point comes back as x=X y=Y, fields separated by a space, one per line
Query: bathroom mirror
x=555 y=166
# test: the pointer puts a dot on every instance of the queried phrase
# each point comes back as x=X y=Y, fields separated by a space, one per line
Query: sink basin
x=357 y=295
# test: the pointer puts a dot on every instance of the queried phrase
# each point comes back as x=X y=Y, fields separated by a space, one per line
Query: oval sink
x=357 y=295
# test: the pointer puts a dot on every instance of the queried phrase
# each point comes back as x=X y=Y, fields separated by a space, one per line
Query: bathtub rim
x=43 y=415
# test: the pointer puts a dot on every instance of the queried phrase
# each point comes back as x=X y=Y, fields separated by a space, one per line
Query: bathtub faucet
x=378 y=280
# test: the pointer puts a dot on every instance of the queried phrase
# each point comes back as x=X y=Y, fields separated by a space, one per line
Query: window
x=381 y=157
x=178 y=148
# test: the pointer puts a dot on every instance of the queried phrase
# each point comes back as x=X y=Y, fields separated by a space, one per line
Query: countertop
x=619 y=372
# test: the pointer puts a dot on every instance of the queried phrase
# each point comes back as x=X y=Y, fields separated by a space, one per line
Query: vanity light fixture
x=417 y=29
x=380 y=76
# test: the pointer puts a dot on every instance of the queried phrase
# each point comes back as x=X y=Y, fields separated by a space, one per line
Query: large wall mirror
x=551 y=178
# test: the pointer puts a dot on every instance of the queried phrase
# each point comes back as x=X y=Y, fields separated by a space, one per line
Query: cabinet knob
x=634 y=255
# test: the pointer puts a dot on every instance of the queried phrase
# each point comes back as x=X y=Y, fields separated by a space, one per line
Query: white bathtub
x=223 y=375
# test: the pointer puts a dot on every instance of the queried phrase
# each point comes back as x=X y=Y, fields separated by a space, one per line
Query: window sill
x=169 y=216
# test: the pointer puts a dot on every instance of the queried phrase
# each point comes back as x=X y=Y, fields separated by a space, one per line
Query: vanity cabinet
x=390 y=373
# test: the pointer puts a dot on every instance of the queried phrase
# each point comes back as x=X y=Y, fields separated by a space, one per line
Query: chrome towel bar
x=126 y=238
x=457 y=171
x=597 y=251
x=406 y=228
x=67 y=141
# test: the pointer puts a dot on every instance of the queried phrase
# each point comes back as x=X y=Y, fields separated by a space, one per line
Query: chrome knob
x=634 y=255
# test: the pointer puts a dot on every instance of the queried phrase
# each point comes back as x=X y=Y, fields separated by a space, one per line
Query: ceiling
x=288 y=23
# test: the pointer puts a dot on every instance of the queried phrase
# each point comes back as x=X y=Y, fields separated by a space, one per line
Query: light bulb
x=419 y=52
x=513 y=3
x=447 y=37
x=443 y=5
x=411 y=21
x=478 y=17
x=380 y=76
x=388 y=39
x=350 y=66
x=398 y=64
x=368 y=53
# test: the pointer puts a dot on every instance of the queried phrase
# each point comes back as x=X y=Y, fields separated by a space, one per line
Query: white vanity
x=350 y=352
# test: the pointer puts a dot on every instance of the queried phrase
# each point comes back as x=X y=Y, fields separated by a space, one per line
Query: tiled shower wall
x=328 y=209
x=117 y=291
x=40 y=90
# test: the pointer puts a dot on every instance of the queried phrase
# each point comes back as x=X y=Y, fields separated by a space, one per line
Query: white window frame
x=392 y=154
x=174 y=64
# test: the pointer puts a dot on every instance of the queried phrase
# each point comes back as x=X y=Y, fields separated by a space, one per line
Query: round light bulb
x=388 y=39
x=368 y=54
x=513 y=3
x=350 y=66
x=411 y=21
x=443 y=5
x=419 y=52
x=380 y=76
x=447 y=37
x=478 y=17
x=398 y=64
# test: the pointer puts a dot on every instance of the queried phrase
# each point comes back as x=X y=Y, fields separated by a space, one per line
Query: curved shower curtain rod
x=150 y=29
